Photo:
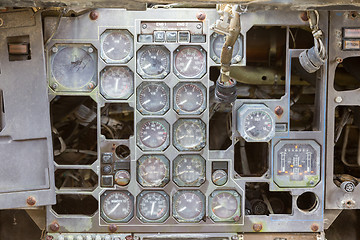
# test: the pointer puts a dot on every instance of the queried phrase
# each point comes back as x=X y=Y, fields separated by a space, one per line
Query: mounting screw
x=91 y=85
x=112 y=228
x=201 y=16
x=54 y=226
x=54 y=86
x=54 y=49
x=198 y=26
x=238 y=58
x=339 y=60
x=257 y=227
x=48 y=237
x=279 y=111
x=144 y=26
x=314 y=227
x=31 y=201
x=338 y=99
x=128 y=237
x=94 y=15
x=234 y=237
x=90 y=50
x=348 y=203
x=236 y=219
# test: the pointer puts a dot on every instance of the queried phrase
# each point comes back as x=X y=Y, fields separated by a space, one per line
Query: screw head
x=201 y=16
x=54 y=226
x=91 y=85
x=94 y=15
x=31 y=201
x=54 y=49
x=314 y=227
x=144 y=26
x=198 y=26
x=279 y=111
x=338 y=99
x=112 y=228
x=90 y=50
x=257 y=227
x=339 y=60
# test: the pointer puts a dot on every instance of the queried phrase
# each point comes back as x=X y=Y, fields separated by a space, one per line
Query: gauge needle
x=113 y=210
x=249 y=129
x=187 y=65
x=181 y=103
x=181 y=209
x=110 y=50
x=145 y=67
x=146 y=102
x=146 y=138
x=152 y=208
x=217 y=207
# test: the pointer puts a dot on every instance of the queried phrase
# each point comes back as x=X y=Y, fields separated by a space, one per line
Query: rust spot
x=279 y=111
x=54 y=226
x=31 y=201
x=201 y=16
x=304 y=16
x=257 y=227
x=314 y=227
x=112 y=228
x=94 y=15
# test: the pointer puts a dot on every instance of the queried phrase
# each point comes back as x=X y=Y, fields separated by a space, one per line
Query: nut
x=54 y=226
x=314 y=227
x=201 y=16
x=112 y=228
x=279 y=111
x=31 y=201
x=94 y=15
x=257 y=227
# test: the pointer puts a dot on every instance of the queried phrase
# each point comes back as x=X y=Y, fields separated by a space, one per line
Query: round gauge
x=73 y=67
x=219 y=177
x=190 y=62
x=189 y=170
x=153 y=134
x=117 y=82
x=153 y=206
x=189 y=134
x=224 y=205
x=117 y=46
x=256 y=123
x=117 y=206
x=189 y=206
x=153 y=98
x=153 y=61
x=153 y=170
x=217 y=43
x=122 y=177
x=190 y=98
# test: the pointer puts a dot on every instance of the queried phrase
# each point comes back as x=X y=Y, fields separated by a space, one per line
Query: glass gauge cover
x=217 y=42
x=224 y=205
x=153 y=98
x=117 y=206
x=189 y=170
x=73 y=67
x=117 y=46
x=153 y=62
x=116 y=82
x=256 y=123
x=153 y=170
x=219 y=177
x=189 y=62
x=188 y=206
x=297 y=163
x=153 y=134
x=122 y=177
x=190 y=98
x=189 y=134
x=153 y=206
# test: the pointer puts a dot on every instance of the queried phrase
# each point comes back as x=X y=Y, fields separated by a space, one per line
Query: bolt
x=339 y=60
x=257 y=227
x=144 y=26
x=54 y=226
x=279 y=111
x=314 y=227
x=304 y=16
x=54 y=49
x=338 y=99
x=201 y=16
x=90 y=50
x=236 y=219
x=112 y=228
x=94 y=15
x=198 y=26
x=31 y=201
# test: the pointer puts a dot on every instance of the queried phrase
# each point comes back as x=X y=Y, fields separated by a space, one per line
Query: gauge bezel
x=138 y=132
x=177 y=216
x=214 y=217
x=57 y=86
x=122 y=68
x=105 y=57
x=143 y=182
x=107 y=194
x=246 y=110
x=201 y=73
x=144 y=219
x=200 y=109
x=141 y=72
x=177 y=180
x=182 y=121
x=234 y=60
x=141 y=109
x=284 y=181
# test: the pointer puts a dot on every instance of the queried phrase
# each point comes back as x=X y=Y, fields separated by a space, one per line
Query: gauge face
x=190 y=98
x=219 y=177
x=153 y=98
x=153 y=170
x=217 y=42
x=153 y=62
x=153 y=206
x=297 y=163
x=117 y=206
x=189 y=134
x=224 y=205
x=122 y=177
x=256 y=123
x=117 y=46
x=189 y=206
x=117 y=82
x=153 y=134
x=190 y=62
x=73 y=67
x=189 y=170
